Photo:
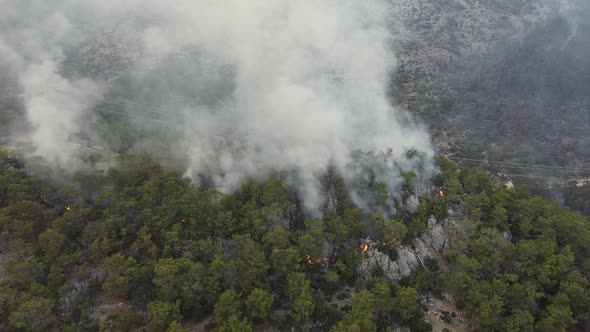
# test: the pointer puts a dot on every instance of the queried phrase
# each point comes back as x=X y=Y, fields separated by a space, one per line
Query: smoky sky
x=236 y=89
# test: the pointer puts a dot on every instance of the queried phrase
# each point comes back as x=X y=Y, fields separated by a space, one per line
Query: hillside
x=498 y=80
x=140 y=247
x=342 y=166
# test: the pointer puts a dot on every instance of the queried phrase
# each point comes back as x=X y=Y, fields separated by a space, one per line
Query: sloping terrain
x=498 y=80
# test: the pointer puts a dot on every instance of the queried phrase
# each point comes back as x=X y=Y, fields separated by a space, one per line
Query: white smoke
x=249 y=86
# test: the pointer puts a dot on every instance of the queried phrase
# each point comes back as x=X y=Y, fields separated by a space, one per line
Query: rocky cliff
x=430 y=244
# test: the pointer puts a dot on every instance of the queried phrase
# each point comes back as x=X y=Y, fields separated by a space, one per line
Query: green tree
x=278 y=238
x=555 y=318
x=176 y=327
x=381 y=194
x=477 y=181
x=312 y=241
x=121 y=271
x=8 y=297
x=406 y=303
x=285 y=261
x=519 y=321
x=227 y=305
x=234 y=324
x=486 y=302
x=22 y=273
x=144 y=246
x=381 y=291
x=299 y=292
x=361 y=314
x=179 y=278
x=161 y=315
x=50 y=242
x=576 y=291
x=259 y=304
x=395 y=230
x=33 y=314
x=124 y=321
x=250 y=261
x=214 y=278
x=409 y=178
x=449 y=179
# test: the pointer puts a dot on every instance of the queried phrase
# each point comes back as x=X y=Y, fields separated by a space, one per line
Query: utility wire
x=149 y=109
x=559 y=174
x=530 y=168
x=548 y=167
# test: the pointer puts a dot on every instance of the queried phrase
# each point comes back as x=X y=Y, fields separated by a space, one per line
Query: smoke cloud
x=237 y=89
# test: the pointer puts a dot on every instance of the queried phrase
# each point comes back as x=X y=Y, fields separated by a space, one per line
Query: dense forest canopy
x=153 y=178
x=167 y=254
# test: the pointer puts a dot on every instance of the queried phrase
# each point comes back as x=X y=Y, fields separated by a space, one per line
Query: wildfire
x=43 y=198
x=365 y=247
x=388 y=243
x=311 y=261
x=183 y=220
x=441 y=192
x=68 y=208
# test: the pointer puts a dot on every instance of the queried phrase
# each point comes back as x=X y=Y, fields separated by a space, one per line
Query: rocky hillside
x=501 y=80
x=434 y=34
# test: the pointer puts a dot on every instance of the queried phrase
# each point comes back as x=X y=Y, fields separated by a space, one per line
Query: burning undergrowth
x=231 y=91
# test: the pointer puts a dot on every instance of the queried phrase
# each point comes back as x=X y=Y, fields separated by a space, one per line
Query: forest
x=191 y=132
x=140 y=248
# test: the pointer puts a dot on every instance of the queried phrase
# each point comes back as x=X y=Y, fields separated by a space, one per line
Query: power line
x=146 y=108
x=559 y=174
x=548 y=167
x=530 y=176
x=537 y=169
x=556 y=174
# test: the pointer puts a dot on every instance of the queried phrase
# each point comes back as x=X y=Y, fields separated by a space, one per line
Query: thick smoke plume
x=236 y=88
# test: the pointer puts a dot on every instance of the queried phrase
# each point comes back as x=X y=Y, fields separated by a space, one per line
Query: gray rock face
x=427 y=245
x=421 y=247
x=412 y=204
x=434 y=236
x=431 y=221
x=439 y=238
x=405 y=264
x=407 y=261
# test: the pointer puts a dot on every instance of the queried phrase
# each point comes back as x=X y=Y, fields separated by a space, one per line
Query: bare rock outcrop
x=412 y=204
x=403 y=266
x=429 y=244
x=435 y=235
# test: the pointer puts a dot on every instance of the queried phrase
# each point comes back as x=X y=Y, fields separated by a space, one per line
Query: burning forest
x=246 y=166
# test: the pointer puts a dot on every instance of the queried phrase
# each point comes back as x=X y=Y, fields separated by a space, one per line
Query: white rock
x=431 y=221
x=439 y=238
x=407 y=261
x=412 y=204
x=422 y=245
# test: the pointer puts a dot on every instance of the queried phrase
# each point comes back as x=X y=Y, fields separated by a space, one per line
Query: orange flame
x=390 y=242
x=311 y=261
x=441 y=192
x=183 y=221
x=365 y=247
x=68 y=208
